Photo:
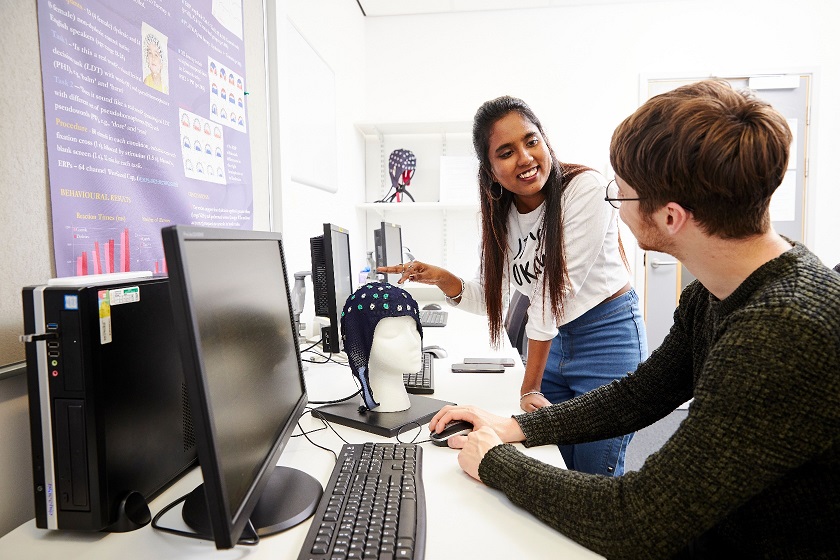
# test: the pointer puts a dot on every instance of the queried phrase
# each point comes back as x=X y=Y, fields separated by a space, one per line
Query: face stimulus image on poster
x=146 y=124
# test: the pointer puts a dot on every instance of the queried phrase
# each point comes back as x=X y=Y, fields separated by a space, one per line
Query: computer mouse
x=431 y=306
x=454 y=428
x=435 y=351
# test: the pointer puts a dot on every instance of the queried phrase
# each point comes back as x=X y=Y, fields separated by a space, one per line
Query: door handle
x=657 y=263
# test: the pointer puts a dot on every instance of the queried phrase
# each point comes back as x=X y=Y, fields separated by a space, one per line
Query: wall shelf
x=379 y=129
x=443 y=233
x=406 y=207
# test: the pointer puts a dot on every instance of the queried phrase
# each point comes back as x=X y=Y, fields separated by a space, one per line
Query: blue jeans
x=603 y=344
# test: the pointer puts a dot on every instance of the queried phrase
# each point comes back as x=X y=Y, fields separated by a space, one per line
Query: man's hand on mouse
x=505 y=427
x=490 y=430
x=474 y=447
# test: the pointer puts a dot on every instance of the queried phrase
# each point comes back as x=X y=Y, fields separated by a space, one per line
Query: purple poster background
x=146 y=126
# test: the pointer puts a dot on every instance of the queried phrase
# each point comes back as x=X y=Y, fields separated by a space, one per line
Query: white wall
x=579 y=68
x=335 y=29
x=26 y=240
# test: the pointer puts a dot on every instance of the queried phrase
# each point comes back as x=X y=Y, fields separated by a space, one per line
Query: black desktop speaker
x=109 y=417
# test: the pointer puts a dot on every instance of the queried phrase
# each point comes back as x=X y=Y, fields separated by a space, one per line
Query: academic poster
x=146 y=126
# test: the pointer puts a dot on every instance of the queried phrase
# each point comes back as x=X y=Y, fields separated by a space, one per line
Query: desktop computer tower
x=109 y=415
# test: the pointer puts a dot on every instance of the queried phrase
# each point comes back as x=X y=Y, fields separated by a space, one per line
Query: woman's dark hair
x=495 y=208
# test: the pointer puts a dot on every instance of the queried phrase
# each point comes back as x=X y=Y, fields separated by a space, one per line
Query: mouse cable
x=326 y=358
x=306 y=435
x=318 y=416
x=419 y=428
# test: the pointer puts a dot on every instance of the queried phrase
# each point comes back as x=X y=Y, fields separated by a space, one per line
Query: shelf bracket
x=443 y=232
x=383 y=164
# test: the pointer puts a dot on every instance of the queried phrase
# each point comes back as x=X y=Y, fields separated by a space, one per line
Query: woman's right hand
x=417 y=271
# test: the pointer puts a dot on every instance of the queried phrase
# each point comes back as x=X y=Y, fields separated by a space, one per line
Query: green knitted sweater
x=754 y=469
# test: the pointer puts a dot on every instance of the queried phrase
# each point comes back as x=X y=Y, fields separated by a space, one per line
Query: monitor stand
x=289 y=498
x=387 y=424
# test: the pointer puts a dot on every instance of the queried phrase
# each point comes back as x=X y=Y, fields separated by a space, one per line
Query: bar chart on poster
x=102 y=250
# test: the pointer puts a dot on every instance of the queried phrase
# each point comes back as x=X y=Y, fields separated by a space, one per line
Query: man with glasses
x=754 y=469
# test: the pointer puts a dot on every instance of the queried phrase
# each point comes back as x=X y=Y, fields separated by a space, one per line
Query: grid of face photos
x=202 y=148
x=227 y=95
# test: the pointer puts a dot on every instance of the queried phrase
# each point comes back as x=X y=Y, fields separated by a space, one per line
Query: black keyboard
x=373 y=506
x=422 y=382
x=433 y=317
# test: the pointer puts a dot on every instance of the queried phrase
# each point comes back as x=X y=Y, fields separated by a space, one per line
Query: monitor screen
x=232 y=310
x=332 y=280
x=388 y=245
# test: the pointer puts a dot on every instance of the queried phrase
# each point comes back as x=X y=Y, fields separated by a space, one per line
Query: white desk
x=465 y=519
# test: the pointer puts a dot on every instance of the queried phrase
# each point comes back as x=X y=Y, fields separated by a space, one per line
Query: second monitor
x=387 y=242
x=332 y=279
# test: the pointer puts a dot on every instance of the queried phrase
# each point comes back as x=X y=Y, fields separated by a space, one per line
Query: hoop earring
x=490 y=191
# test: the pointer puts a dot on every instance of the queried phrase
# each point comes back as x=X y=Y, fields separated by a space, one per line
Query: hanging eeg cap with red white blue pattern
x=401 y=167
x=361 y=313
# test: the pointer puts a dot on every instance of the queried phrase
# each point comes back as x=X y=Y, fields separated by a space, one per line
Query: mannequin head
x=401 y=167
x=396 y=349
x=380 y=326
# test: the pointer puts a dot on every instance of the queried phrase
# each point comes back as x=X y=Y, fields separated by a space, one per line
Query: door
x=664 y=276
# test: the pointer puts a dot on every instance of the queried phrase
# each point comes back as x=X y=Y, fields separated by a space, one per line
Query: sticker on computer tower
x=105 y=334
x=130 y=294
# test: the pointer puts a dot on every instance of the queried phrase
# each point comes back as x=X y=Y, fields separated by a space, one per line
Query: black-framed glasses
x=615 y=201
x=612 y=195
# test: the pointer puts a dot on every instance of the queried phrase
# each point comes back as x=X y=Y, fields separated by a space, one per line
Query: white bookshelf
x=440 y=233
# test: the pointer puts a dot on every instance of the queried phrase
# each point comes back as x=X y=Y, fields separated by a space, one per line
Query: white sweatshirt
x=595 y=268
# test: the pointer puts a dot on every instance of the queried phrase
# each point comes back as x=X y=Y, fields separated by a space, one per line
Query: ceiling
x=375 y=8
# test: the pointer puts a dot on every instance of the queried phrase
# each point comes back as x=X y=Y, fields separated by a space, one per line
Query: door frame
x=639 y=257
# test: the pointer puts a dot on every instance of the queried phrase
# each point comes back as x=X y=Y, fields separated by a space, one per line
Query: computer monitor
x=332 y=280
x=244 y=380
x=387 y=242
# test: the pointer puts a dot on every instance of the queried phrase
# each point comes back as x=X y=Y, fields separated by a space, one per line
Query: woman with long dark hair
x=547 y=231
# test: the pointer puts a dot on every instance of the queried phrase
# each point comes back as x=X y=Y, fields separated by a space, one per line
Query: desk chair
x=515 y=321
